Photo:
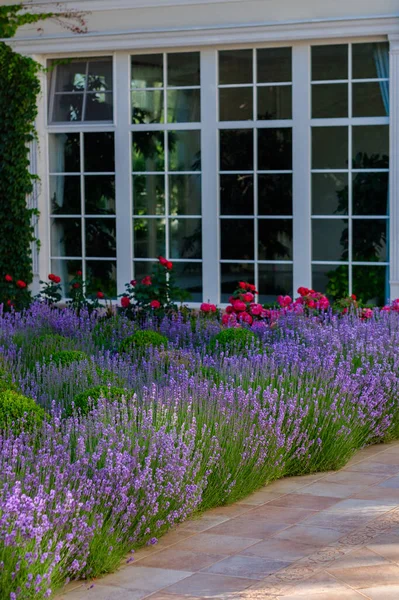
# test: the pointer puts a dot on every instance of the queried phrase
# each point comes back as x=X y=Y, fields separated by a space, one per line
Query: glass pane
x=184 y=106
x=371 y=284
x=237 y=238
x=329 y=62
x=370 y=61
x=275 y=102
x=65 y=194
x=189 y=277
x=147 y=107
x=330 y=194
x=236 y=150
x=100 y=195
x=71 y=77
x=275 y=149
x=99 y=152
x=370 y=147
x=100 y=75
x=149 y=238
x=275 y=239
x=184 y=150
x=149 y=195
x=329 y=100
x=236 y=195
x=274 y=65
x=67 y=107
x=235 y=66
x=275 y=194
x=370 y=240
x=236 y=104
x=370 y=194
x=99 y=107
x=185 y=238
x=274 y=280
x=329 y=147
x=101 y=276
x=100 y=237
x=231 y=274
x=183 y=68
x=64 y=152
x=66 y=269
x=147 y=71
x=148 y=151
x=371 y=99
x=332 y=280
x=66 y=237
x=330 y=239
x=143 y=268
x=185 y=194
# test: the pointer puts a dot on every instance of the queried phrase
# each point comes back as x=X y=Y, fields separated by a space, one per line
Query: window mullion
x=209 y=162
x=123 y=171
x=302 y=232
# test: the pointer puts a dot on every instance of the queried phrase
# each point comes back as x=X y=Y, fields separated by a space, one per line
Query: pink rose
x=245 y=318
x=239 y=306
x=229 y=309
x=284 y=301
x=256 y=309
x=205 y=307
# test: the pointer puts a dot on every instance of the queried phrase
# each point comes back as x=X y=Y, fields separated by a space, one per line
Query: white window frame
x=301 y=127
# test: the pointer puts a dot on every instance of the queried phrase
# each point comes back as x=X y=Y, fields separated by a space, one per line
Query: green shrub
x=234 y=338
x=13 y=407
x=82 y=400
x=63 y=358
x=142 y=339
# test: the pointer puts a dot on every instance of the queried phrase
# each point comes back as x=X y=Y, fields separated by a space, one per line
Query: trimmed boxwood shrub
x=142 y=339
x=67 y=357
x=13 y=407
x=82 y=403
x=234 y=338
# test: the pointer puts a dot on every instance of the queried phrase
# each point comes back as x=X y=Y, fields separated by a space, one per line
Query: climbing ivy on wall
x=19 y=88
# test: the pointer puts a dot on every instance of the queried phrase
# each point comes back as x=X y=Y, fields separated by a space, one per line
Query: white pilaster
x=394 y=166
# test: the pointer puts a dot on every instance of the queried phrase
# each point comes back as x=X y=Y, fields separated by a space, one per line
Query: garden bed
x=134 y=427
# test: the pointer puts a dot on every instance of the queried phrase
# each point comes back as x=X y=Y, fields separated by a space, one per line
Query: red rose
x=163 y=261
x=242 y=285
x=21 y=284
x=76 y=285
x=79 y=273
x=155 y=304
x=8 y=278
x=353 y=297
x=213 y=307
x=125 y=302
x=229 y=310
x=169 y=265
x=239 y=306
x=146 y=280
x=100 y=295
x=248 y=297
x=133 y=282
x=245 y=318
x=205 y=307
x=56 y=279
x=303 y=291
x=51 y=277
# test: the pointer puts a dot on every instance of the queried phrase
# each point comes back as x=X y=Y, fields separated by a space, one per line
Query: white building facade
x=241 y=139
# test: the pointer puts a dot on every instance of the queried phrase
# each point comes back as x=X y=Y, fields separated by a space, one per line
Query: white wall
x=177 y=14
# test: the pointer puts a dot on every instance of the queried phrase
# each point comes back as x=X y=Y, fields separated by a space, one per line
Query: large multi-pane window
x=255 y=176
x=253 y=100
x=350 y=169
x=166 y=165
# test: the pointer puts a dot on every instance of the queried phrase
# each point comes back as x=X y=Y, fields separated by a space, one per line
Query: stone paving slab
x=326 y=536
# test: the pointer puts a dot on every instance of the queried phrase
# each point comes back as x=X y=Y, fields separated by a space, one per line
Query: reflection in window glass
x=188 y=276
x=275 y=149
x=237 y=239
x=370 y=193
x=236 y=104
x=184 y=150
x=329 y=147
x=330 y=239
x=149 y=238
x=329 y=100
x=370 y=240
x=370 y=99
x=236 y=195
x=370 y=284
x=66 y=237
x=65 y=194
x=236 y=150
x=275 y=239
x=274 y=65
x=149 y=194
x=329 y=62
x=235 y=66
x=330 y=193
x=370 y=146
x=147 y=71
x=100 y=237
x=99 y=194
x=275 y=194
x=332 y=280
x=274 y=102
x=183 y=69
x=275 y=280
x=185 y=238
x=101 y=276
x=370 y=60
x=184 y=106
x=185 y=194
x=147 y=106
x=99 y=152
x=148 y=151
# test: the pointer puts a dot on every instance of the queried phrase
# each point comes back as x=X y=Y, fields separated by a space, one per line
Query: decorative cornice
x=105 y=5
x=203 y=36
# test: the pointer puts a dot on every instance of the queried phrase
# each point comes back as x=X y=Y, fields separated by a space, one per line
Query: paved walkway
x=331 y=536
